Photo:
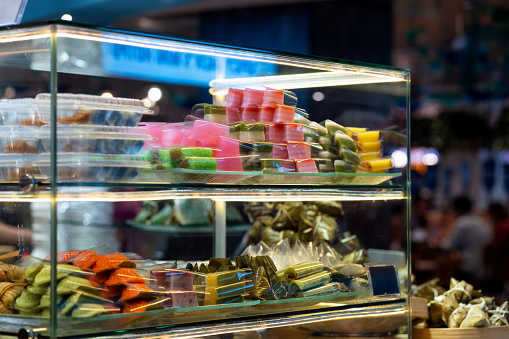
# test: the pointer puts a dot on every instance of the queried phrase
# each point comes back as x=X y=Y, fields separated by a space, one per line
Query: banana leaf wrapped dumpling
x=458 y=315
x=476 y=317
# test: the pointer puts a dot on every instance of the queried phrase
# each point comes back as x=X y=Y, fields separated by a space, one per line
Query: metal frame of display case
x=320 y=72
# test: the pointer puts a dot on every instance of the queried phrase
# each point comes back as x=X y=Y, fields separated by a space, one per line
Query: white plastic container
x=19 y=139
x=15 y=165
x=19 y=112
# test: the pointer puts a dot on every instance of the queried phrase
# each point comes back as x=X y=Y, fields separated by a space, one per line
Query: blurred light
x=318 y=96
x=430 y=159
x=66 y=17
x=155 y=94
x=63 y=56
x=107 y=95
x=147 y=102
x=399 y=159
x=505 y=156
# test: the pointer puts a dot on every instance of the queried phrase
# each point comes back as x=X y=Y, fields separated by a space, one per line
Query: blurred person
x=468 y=236
x=15 y=224
x=496 y=256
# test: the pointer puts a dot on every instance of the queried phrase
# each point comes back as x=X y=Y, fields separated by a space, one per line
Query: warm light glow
x=399 y=159
x=155 y=94
x=66 y=17
x=107 y=95
x=147 y=102
x=305 y=195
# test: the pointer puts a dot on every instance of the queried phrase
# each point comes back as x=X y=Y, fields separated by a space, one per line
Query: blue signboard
x=176 y=67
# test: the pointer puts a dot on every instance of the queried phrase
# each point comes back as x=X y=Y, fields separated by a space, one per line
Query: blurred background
x=457 y=53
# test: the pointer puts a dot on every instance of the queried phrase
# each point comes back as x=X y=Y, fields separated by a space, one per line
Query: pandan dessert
x=350 y=157
x=324 y=165
x=252 y=132
x=345 y=167
x=344 y=141
x=235 y=130
x=199 y=163
x=215 y=113
x=263 y=149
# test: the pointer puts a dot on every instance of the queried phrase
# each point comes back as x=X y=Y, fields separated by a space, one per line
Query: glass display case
x=182 y=188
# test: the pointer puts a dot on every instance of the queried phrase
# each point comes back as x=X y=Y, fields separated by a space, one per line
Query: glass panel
x=179 y=199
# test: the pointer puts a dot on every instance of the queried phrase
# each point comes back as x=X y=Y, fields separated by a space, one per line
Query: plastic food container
x=87 y=167
x=19 y=139
x=15 y=165
x=91 y=109
x=96 y=139
x=19 y=112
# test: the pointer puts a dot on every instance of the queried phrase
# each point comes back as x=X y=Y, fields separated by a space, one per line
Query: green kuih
x=37 y=289
x=199 y=163
x=324 y=165
x=344 y=167
x=235 y=129
x=302 y=270
x=308 y=282
x=32 y=270
x=88 y=310
x=220 y=292
x=332 y=127
x=215 y=113
x=28 y=300
x=350 y=157
x=327 y=289
x=263 y=149
x=344 y=141
x=46 y=302
x=270 y=164
x=72 y=284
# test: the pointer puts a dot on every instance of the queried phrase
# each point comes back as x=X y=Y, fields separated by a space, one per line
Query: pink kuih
x=284 y=113
x=280 y=151
x=252 y=97
x=274 y=132
x=294 y=132
x=249 y=114
x=232 y=114
x=230 y=164
x=184 y=299
x=171 y=137
x=208 y=131
x=287 y=165
x=298 y=150
x=179 y=280
x=228 y=147
x=266 y=114
x=234 y=98
x=272 y=97
x=186 y=138
x=305 y=165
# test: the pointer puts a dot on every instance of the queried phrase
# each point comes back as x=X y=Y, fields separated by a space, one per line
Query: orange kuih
x=111 y=292
x=63 y=257
x=86 y=259
x=122 y=276
x=135 y=306
x=133 y=291
x=111 y=261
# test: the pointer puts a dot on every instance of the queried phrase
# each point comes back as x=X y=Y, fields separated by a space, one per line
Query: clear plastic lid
x=18 y=132
x=94 y=160
x=97 y=132
x=85 y=101
x=17 y=159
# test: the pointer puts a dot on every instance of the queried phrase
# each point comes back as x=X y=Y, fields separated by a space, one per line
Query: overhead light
x=155 y=94
x=107 y=95
x=66 y=17
x=303 y=80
